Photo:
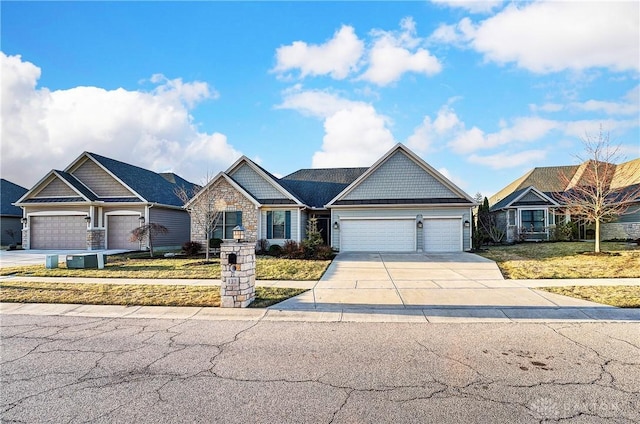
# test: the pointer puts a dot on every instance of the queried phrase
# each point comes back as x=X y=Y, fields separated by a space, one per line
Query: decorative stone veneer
x=227 y=198
x=95 y=239
x=238 y=286
x=26 y=238
x=620 y=231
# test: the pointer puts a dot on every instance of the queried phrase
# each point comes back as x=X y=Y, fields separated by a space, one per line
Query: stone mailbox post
x=238 y=263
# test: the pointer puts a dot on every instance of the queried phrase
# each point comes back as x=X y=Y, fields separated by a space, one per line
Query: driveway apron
x=427 y=282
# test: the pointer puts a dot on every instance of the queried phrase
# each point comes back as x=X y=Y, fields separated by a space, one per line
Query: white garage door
x=119 y=231
x=377 y=235
x=443 y=235
x=58 y=232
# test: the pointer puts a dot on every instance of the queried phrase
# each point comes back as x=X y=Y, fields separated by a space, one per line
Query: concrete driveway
x=446 y=284
x=10 y=258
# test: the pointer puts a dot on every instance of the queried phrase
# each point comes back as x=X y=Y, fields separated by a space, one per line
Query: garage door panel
x=443 y=235
x=58 y=232
x=119 y=231
x=377 y=235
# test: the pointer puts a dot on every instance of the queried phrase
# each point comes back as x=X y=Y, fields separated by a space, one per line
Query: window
x=532 y=220
x=226 y=223
x=512 y=217
x=279 y=224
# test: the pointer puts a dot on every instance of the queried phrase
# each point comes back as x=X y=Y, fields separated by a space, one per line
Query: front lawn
x=619 y=296
x=131 y=294
x=132 y=266
x=565 y=260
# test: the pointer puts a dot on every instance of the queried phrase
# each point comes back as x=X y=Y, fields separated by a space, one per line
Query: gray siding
x=10 y=223
x=632 y=215
x=465 y=213
x=99 y=181
x=532 y=197
x=251 y=181
x=56 y=188
x=400 y=177
x=176 y=221
x=295 y=226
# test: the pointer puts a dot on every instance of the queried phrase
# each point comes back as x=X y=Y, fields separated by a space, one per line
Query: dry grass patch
x=565 y=260
x=620 y=296
x=267 y=268
x=131 y=294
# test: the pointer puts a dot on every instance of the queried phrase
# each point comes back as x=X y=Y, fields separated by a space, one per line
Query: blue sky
x=483 y=91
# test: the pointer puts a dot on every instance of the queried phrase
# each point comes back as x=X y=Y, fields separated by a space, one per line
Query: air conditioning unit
x=85 y=261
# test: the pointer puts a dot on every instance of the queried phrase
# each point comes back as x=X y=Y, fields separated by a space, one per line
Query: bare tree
x=149 y=231
x=204 y=208
x=591 y=194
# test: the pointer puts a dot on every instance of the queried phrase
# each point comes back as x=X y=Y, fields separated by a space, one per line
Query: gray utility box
x=84 y=260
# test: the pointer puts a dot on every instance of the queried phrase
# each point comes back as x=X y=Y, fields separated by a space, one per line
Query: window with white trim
x=532 y=220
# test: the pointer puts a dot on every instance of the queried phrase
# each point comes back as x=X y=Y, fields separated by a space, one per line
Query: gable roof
x=317 y=186
x=516 y=196
x=150 y=186
x=144 y=185
x=272 y=182
x=552 y=179
x=10 y=193
x=449 y=192
x=228 y=179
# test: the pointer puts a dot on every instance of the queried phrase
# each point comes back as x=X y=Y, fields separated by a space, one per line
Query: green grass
x=131 y=294
x=134 y=266
x=620 y=296
x=565 y=260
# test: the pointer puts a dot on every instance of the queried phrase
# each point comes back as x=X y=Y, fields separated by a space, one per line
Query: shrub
x=292 y=250
x=262 y=246
x=275 y=250
x=215 y=243
x=324 y=252
x=191 y=247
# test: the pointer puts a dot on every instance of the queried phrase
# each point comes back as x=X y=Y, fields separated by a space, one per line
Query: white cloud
x=395 y=53
x=509 y=160
x=316 y=103
x=429 y=132
x=355 y=134
x=628 y=105
x=44 y=130
x=524 y=129
x=454 y=178
x=338 y=57
x=546 y=37
x=473 y=6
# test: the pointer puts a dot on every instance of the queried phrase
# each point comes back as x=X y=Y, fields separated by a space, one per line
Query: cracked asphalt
x=64 y=369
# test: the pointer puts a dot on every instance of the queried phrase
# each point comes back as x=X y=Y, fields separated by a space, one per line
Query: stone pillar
x=238 y=286
x=26 y=239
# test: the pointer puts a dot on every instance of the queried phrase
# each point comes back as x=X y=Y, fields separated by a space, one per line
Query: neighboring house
x=96 y=202
x=400 y=204
x=530 y=207
x=10 y=215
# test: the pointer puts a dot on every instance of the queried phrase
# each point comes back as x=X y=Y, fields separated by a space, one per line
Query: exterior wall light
x=336 y=225
x=141 y=219
x=467 y=224
x=419 y=224
x=23 y=220
x=87 y=219
x=238 y=233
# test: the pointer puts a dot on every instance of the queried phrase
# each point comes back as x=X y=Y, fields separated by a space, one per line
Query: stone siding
x=225 y=198
x=620 y=231
x=95 y=239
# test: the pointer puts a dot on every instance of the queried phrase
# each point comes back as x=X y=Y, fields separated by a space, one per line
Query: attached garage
x=119 y=231
x=58 y=232
x=443 y=235
x=378 y=235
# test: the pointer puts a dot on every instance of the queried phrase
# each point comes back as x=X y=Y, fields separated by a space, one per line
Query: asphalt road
x=78 y=369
